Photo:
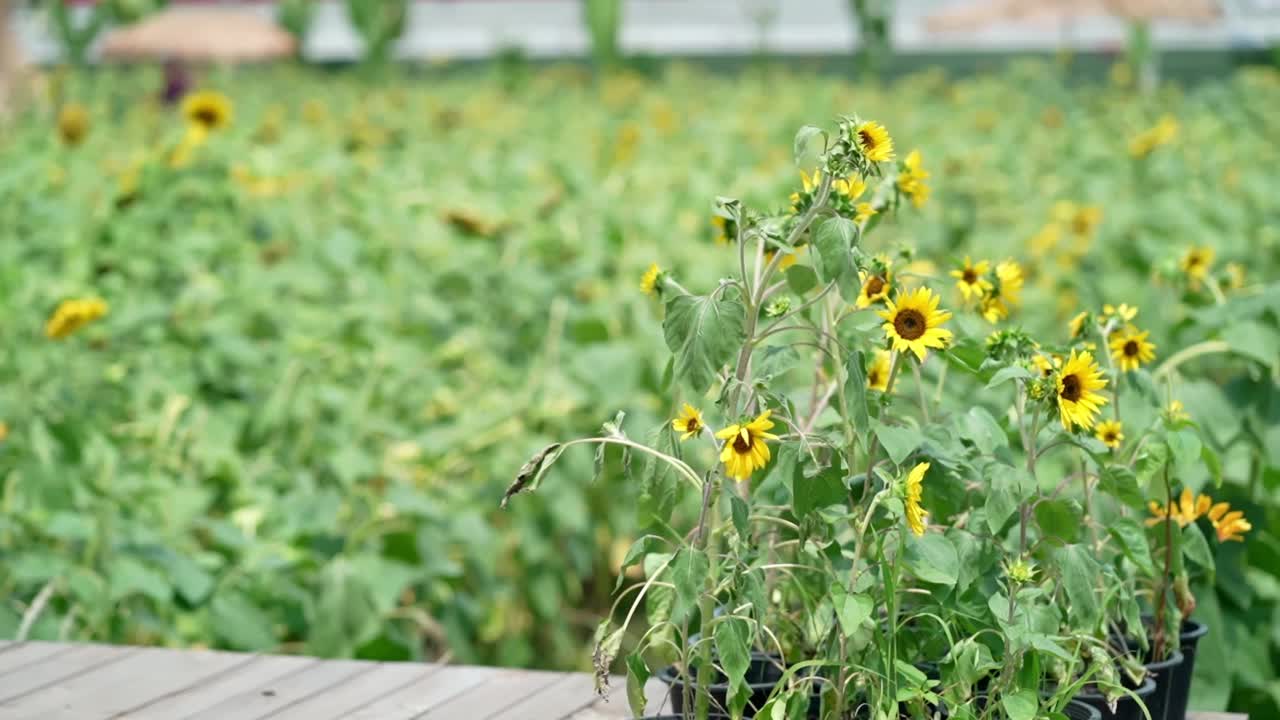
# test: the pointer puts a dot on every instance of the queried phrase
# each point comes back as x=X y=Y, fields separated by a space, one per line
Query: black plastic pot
x=1164 y=673
x=1180 y=683
x=1126 y=707
x=762 y=675
x=1077 y=710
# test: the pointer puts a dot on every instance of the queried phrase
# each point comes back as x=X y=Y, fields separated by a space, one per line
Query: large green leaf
x=833 y=239
x=933 y=558
x=704 y=332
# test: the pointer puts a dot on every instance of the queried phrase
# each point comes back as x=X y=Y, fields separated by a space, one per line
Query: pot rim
x=669 y=676
x=1196 y=630
x=1093 y=711
x=1172 y=661
x=1145 y=690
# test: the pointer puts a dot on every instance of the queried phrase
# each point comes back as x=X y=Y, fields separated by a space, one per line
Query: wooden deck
x=57 y=681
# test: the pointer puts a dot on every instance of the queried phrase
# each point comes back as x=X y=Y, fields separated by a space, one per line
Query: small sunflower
x=993 y=309
x=878 y=372
x=1124 y=311
x=1196 y=263
x=875 y=288
x=208 y=109
x=911 y=180
x=1046 y=364
x=73 y=124
x=689 y=423
x=971 y=278
x=874 y=141
x=1077 y=383
x=1111 y=433
x=726 y=231
x=1176 y=412
x=863 y=212
x=649 y=281
x=916 y=516
x=914 y=322
x=1229 y=525
x=71 y=315
x=745 y=450
x=1076 y=325
x=1009 y=273
x=1131 y=349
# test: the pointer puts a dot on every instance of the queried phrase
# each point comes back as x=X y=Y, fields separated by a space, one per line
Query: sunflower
x=1085 y=220
x=1229 y=525
x=1076 y=325
x=971 y=279
x=911 y=179
x=1047 y=365
x=993 y=309
x=208 y=109
x=916 y=516
x=745 y=450
x=787 y=260
x=863 y=212
x=71 y=315
x=878 y=372
x=1195 y=263
x=726 y=230
x=1176 y=412
x=1077 y=382
x=914 y=322
x=1124 y=311
x=689 y=423
x=1111 y=433
x=649 y=281
x=1131 y=349
x=874 y=141
x=875 y=288
x=73 y=124
x=1009 y=273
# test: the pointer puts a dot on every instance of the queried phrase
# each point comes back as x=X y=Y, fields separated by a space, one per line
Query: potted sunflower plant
x=897 y=513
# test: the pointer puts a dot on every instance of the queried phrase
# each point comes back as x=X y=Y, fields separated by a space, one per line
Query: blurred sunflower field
x=271 y=355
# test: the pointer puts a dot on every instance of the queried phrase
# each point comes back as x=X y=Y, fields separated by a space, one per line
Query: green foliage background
x=336 y=334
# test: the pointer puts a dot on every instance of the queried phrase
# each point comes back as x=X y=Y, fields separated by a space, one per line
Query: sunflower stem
x=924 y=404
x=1208 y=347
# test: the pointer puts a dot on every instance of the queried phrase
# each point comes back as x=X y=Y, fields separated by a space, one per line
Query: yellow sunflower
x=878 y=372
x=1196 y=263
x=875 y=288
x=1131 y=349
x=721 y=226
x=914 y=322
x=745 y=450
x=993 y=309
x=73 y=124
x=1111 y=433
x=689 y=423
x=1076 y=325
x=1176 y=412
x=1124 y=311
x=916 y=516
x=1009 y=273
x=1047 y=365
x=649 y=281
x=1085 y=220
x=208 y=109
x=874 y=141
x=911 y=180
x=864 y=211
x=1229 y=525
x=971 y=278
x=71 y=315
x=1077 y=383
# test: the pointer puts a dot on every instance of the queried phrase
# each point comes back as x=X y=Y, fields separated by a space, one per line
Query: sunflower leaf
x=1012 y=372
x=855 y=394
x=832 y=239
x=899 y=442
x=703 y=332
x=531 y=472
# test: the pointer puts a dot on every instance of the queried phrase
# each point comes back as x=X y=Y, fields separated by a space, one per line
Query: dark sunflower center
x=970 y=277
x=206 y=116
x=873 y=377
x=691 y=425
x=1110 y=436
x=741 y=444
x=875 y=285
x=1131 y=348
x=909 y=324
x=1071 y=388
x=867 y=139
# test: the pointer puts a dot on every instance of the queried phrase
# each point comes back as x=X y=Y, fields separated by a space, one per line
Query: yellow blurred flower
x=689 y=423
x=1196 y=262
x=745 y=450
x=71 y=315
x=1131 y=349
x=874 y=141
x=971 y=278
x=649 y=281
x=916 y=516
x=1110 y=432
x=207 y=109
x=878 y=372
x=73 y=124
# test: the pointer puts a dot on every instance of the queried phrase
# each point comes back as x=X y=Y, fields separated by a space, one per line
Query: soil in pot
x=1126 y=707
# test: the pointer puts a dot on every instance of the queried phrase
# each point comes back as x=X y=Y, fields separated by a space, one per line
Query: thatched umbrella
x=200 y=35
x=982 y=14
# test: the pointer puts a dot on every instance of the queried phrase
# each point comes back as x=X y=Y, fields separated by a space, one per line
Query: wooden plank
x=1197 y=715
x=566 y=695
x=110 y=689
x=58 y=667
x=384 y=679
x=271 y=697
x=8 y=645
x=616 y=707
x=495 y=694
x=413 y=700
x=20 y=655
x=203 y=694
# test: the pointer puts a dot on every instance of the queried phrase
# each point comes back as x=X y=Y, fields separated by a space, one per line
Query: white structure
x=551 y=28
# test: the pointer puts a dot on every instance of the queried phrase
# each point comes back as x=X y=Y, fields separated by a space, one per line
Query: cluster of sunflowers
x=844 y=520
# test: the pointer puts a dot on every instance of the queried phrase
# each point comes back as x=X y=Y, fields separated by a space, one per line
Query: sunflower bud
x=778 y=307
x=1020 y=571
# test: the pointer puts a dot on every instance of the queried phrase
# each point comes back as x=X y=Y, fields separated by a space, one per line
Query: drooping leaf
x=703 y=332
x=688 y=572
